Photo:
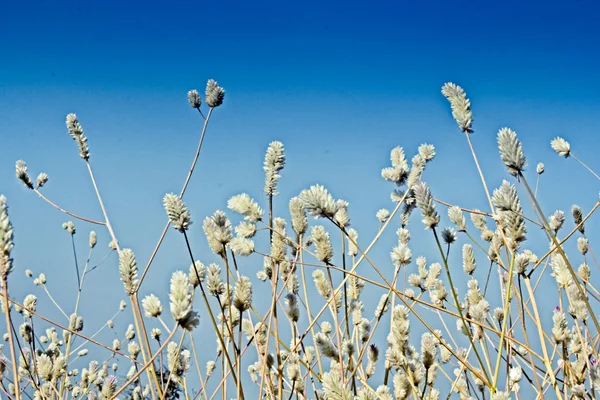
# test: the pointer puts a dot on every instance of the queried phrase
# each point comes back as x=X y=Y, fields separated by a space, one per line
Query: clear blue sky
x=340 y=83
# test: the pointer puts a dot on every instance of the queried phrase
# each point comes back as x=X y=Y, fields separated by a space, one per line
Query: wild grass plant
x=476 y=329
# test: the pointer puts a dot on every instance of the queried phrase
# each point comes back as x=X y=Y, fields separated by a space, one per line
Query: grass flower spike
x=76 y=131
x=177 y=212
x=6 y=239
x=128 y=270
x=561 y=147
x=274 y=162
x=511 y=151
x=214 y=94
x=318 y=202
x=180 y=296
x=460 y=105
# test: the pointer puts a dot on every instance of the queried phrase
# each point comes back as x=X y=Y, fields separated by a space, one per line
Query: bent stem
x=185 y=185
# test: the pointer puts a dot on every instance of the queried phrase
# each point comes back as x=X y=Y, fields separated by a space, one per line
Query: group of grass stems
x=325 y=348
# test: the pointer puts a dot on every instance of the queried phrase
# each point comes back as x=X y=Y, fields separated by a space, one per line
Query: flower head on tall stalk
x=217 y=229
x=561 y=147
x=76 y=131
x=214 y=94
x=424 y=201
x=318 y=202
x=511 y=151
x=6 y=239
x=274 y=162
x=178 y=214
x=22 y=174
x=460 y=105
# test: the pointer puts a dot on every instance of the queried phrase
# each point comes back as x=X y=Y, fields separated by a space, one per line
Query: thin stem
x=91 y=221
x=458 y=307
x=10 y=337
x=586 y=167
x=185 y=184
x=504 y=323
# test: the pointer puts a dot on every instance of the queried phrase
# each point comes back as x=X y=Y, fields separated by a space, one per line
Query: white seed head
x=460 y=105
x=540 y=168
x=152 y=306
x=128 y=270
x=243 y=204
x=214 y=94
x=76 y=131
x=194 y=98
x=561 y=147
x=511 y=151
x=274 y=162
x=180 y=296
x=177 y=212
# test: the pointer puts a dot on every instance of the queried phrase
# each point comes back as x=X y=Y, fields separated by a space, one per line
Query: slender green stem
x=504 y=323
x=458 y=307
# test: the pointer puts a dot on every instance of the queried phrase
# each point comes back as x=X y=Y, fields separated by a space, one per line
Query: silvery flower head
x=194 y=98
x=401 y=255
x=76 y=131
x=242 y=294
x=511 y=151
x=458 y=218
x=93 y=239
x=540 y=168
x=197 y=273
x=468 y=256
x=214 y=93
x=29 y=305
x=318 y=202
x=323 y=247
x=424 y=201
x=341 y=216
x=292 y=311
x=583 y=245
x=243 y=204
x=352 y=242
x=427 y=151
x=299 y=220
x=557 y=220
x=128 y=270
x=383 y=215
x=69 y=227
x=42 y=179
x=152 y=306
x=460 y=105
x=241 y=246
x=180 y=296
x=416 y=170
x=215 y=284
x=218 y=231
x=274 y=162
x=6 y=239
x=177 y=212
x=561 y=147
x=399 y=170
x=22 y=174
x=246 y=229
x=578 y=217
x=109 y=387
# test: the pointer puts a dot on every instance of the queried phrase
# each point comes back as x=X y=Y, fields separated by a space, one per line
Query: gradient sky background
x=339 y=83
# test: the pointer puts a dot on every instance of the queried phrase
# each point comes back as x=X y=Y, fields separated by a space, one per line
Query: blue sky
x=339 y=83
